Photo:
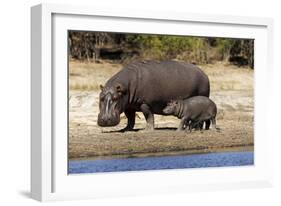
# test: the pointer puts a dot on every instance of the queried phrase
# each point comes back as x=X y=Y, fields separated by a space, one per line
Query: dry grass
x=224 y=76
x=89 y=76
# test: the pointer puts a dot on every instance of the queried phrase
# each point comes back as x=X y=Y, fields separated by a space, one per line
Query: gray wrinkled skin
x=148 y=87
x=193 y=112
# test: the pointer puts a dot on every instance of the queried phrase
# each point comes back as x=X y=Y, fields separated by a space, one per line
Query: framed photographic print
x=135 y=102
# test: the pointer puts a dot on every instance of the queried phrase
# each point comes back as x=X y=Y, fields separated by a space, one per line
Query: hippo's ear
x=101 y=87
x=120 y=89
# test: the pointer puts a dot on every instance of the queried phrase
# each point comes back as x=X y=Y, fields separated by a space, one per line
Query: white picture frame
x=49 y=178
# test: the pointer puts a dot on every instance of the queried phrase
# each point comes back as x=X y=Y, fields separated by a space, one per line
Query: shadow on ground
x=137 y=130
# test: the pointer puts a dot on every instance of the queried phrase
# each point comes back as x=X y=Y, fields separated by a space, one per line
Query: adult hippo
x=148 y=86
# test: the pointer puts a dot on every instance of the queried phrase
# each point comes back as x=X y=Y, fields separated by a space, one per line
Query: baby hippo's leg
x=208 y=122
x=199 y=126
x=196 y=125
x=186 y=125
x=182 y=123
x=213 y=120
x=191 y=126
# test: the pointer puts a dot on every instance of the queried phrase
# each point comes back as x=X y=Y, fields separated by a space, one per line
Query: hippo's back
x=159 y=82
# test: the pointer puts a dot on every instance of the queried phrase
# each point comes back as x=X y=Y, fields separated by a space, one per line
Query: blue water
x=166 y=162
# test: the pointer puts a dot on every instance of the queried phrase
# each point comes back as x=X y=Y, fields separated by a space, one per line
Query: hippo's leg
x=191 y=125
x=208 y=122
x=214 y=123
x=148 y=116
x=131 y=120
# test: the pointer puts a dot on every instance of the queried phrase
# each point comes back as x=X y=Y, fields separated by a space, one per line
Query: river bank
x=231 y=90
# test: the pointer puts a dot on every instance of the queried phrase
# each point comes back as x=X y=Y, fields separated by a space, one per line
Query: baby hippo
x=193 y=112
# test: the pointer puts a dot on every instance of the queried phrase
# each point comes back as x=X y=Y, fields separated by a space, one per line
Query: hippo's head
x=111 y=101
x=171 y=107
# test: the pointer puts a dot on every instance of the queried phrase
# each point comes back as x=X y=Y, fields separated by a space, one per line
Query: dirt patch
x=231 y=90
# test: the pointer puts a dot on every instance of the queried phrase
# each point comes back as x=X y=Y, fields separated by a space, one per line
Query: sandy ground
x=231 y=90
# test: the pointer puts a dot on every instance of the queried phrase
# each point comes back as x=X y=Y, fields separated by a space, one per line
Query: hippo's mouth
x=167 y=111
x=106 y=121
x=102 y=123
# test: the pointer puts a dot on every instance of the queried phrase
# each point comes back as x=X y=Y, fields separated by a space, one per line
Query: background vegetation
x=99 y=46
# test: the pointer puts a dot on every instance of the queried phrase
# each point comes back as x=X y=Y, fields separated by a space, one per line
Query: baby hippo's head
x=171 y=107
